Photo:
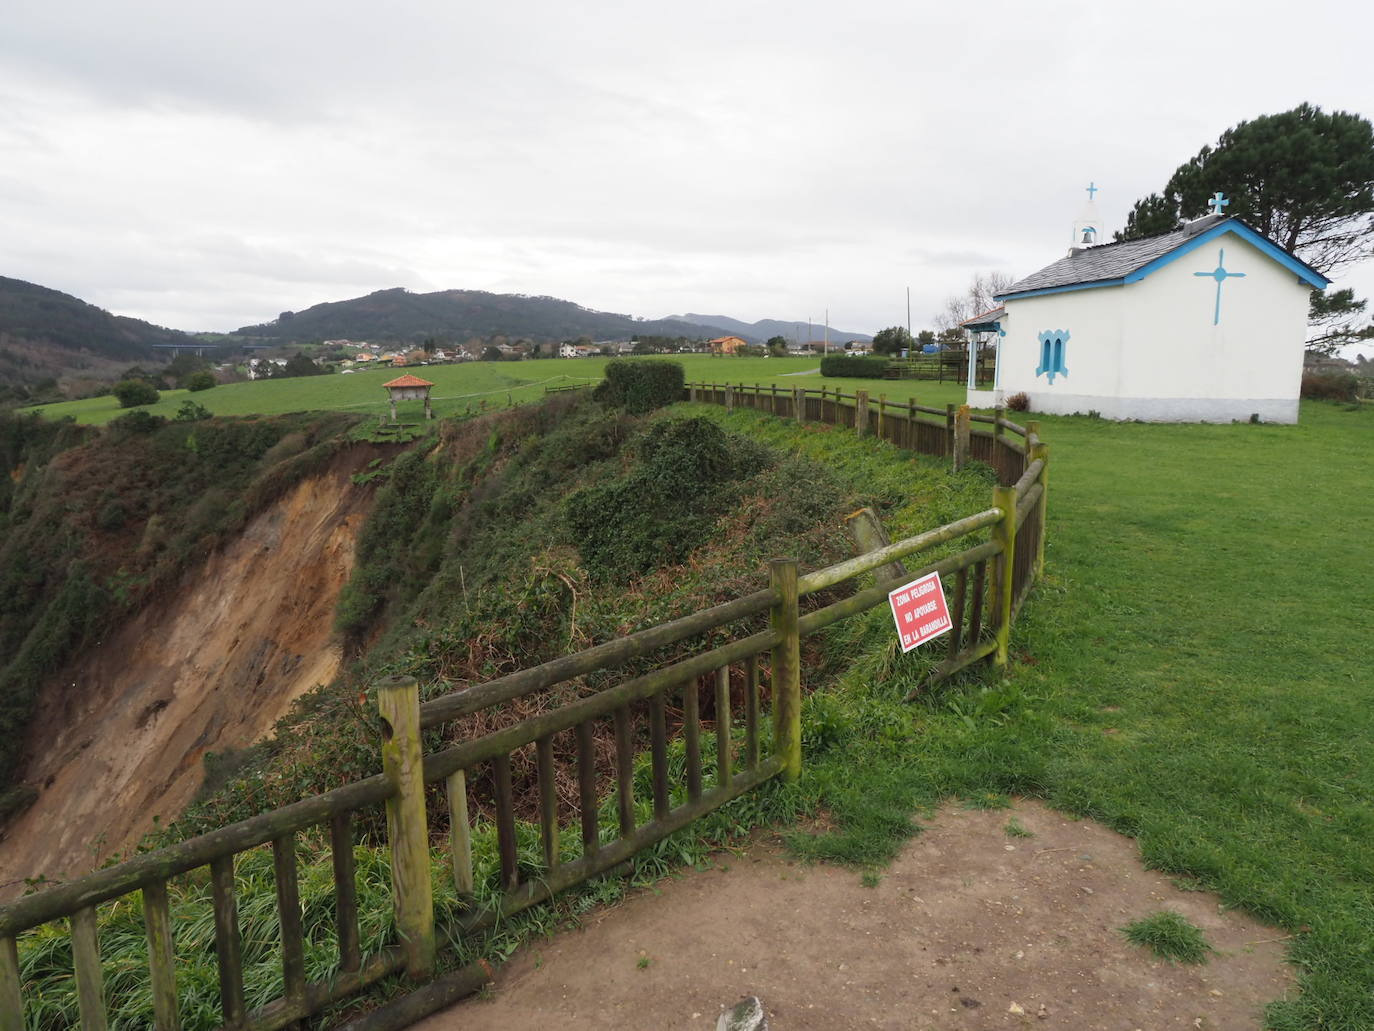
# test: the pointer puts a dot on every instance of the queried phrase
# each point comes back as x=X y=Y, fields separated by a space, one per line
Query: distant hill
x=399 y=315
x=46 y=333
x=766 y=328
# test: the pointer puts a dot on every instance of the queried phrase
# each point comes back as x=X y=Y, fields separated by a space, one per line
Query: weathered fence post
x=861 y=413
x=692 y=392
x=729 y=398
x=1004 y=533
x=90 y=986
x=1042 y=452
x=11 y=982
x=157 y=923
x=882 y=415
x=785 y=620
x=799 y=403
x=963 y=431
x=949 y=428
x=868 y=533
x=398 y=701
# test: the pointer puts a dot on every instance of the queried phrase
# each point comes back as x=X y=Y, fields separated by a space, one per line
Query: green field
x=472 y=387
x=1197 y=670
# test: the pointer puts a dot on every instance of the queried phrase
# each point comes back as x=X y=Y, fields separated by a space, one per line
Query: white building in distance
x=1206 y=323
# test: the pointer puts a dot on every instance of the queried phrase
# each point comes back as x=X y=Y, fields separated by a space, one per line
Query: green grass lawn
x=1197 y=671
x=477 y=386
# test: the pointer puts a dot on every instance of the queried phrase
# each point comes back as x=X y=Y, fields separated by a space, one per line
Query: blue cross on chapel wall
x=1220 y=275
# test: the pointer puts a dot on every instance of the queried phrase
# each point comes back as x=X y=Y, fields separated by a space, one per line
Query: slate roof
x=989 y=316
x=1110 y=261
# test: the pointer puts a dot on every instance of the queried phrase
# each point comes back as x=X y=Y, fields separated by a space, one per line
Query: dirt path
x=969 y=928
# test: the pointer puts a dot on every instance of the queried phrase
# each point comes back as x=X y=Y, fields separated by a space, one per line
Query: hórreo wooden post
x=785 y=620
x=1004 y=533
x=398 y=701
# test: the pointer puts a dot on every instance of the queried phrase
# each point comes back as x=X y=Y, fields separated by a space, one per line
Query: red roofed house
x=409 y=388
x=726 y=345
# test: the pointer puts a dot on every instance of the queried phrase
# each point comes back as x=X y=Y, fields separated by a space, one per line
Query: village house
x=726 y=345
x=1206 y=323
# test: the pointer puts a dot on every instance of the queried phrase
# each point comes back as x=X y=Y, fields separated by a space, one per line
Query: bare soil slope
x=212 y=666
x=968 y=928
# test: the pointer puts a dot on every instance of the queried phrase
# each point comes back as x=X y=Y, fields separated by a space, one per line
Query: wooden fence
x=752 y=686
x=944 y=365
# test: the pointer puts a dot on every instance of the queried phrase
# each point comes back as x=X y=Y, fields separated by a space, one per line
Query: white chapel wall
x=1252 y=353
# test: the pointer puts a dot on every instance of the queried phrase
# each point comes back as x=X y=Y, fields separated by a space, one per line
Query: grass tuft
x=1015 y=829
x=1169 y=935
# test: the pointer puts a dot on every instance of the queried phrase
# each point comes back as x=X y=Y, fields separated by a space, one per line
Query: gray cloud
x=209 y=167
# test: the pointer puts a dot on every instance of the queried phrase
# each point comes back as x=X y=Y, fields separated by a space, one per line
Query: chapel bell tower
x=1087 y=227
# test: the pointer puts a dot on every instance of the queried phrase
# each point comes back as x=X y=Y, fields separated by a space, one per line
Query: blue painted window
x=1052 y=346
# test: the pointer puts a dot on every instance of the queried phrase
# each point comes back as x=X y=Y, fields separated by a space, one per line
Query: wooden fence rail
x=1002 y=554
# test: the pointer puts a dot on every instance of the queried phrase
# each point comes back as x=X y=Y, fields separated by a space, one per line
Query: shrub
x=855 y=367
x=659 y=512
x=1018 y=402
x=202 y=380
x=1330 y=386
x=138 y=422
x=131 y=393
x=640 y=386
x=192 y=412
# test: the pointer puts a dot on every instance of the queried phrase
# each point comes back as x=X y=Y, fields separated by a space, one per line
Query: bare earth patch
x=968 y=928
x=119 y=739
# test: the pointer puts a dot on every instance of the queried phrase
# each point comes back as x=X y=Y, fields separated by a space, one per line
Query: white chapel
x=1206 y=323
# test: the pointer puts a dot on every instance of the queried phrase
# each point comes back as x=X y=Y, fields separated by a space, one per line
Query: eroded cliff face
x=119 y=736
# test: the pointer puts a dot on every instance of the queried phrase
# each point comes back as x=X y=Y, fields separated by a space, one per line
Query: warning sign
x=920 y=611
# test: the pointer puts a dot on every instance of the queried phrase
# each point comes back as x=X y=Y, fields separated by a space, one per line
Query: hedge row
x=853 y=366
x=639 y=385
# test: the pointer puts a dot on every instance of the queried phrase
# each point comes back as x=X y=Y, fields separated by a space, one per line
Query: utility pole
x=825 y=349
x=908 y=311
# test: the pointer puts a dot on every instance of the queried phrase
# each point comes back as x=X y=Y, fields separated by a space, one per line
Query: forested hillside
x=398 y=314
x=45 y=333
x=765 y=328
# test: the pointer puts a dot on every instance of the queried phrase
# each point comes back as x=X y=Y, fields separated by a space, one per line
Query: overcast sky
x=207 y=166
